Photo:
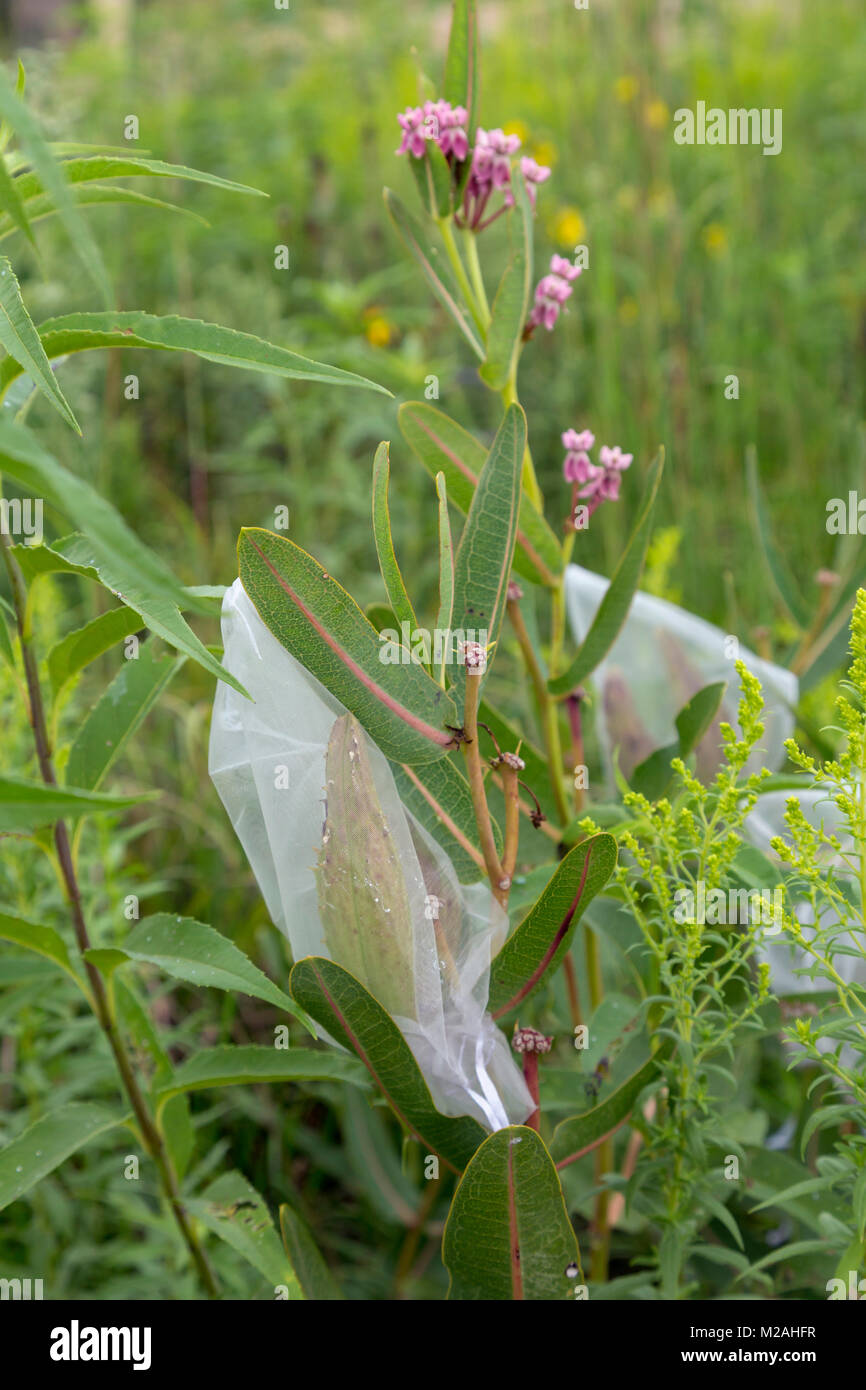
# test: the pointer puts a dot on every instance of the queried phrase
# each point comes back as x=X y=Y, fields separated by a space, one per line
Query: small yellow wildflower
x=545 y=152
x=715 y=239
x=519 y=128
x=656 y=114
x=377 y=330
x=625 y=88
x=569 y=228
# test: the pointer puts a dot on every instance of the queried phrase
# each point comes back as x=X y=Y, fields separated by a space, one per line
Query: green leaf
x=11 y=204
x=87 y=169
x=226 y=346
x=484 y=556
x=613 y=609
x=74 y=651
x=247 y=1066
x=120 y=710
x=77 y=554
x=653 y=776
x=189 y=950
x=541 y=940
x=341 y=1005
x=577 y=1135
x=314 y=1276
x=444 y=446
x=234 y=1211
x=508 y=1236
x=25 y=805
x=391 y=576
x=438 y=796
x=33 y=144
x=446 y=564
x=777 y=567
x=20 y=339
x=97 y=195
x=400 y=706
x=511 y=305
x=433 y=267
x=47 y=1143
x=461 y=78
x=43 y=941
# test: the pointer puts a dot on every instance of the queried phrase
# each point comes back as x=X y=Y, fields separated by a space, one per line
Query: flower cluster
x=438 y=121
x=593 y=483
x=551 y=293
x=491 y=156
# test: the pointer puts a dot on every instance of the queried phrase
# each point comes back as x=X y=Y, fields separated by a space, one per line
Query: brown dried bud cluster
x=515 y=593
x=530 y=1040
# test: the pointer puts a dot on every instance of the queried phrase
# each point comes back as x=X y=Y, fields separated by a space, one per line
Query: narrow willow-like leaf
x=30 y=187
x=96 y=195
x=134 y=329
x=315 y=1278
x=400 y=706
x=191 y=951
x=511 y=305
x=652 y=777
x=579 y=1133
x=613 y=609
x=428 y=256
x=233 y=1209
x=78 y=648
x=49 y=171
x=341 y=1005
x=446 y=565
x=25 y=805
x=460 y=83
x=11 y=204
x=482 y=565
x=48 y=1143
x=19 y=337
x=444 y=446
x=120 y=710
x=508 y=1235
x=247 y=1066
x=391 y=576
x=540 y=941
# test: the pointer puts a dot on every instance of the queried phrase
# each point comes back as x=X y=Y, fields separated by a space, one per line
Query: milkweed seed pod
x=363 y=898
x=348 y=872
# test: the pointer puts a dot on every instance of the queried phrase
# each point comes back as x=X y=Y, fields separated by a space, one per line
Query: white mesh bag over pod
x=267 y=761
x=661 y=657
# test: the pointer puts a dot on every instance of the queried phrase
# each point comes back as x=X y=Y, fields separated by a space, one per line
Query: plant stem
x=512 y=820
x=446 y=229
x=475 y=774
x=530 y=481
x=530 y=1076
x=547 y=710
x=150 y=1134
x=470 y=242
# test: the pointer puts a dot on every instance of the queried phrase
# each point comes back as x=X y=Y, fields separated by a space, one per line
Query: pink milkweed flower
x=533 y=174
x=572 y=439
x=412 y=123
x=438 y=121
x=577 y=467
x=551 y=293
x=614 y=458
x=592 y=483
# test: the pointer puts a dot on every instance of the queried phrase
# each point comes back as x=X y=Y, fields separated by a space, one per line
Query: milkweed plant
x=542 y=993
